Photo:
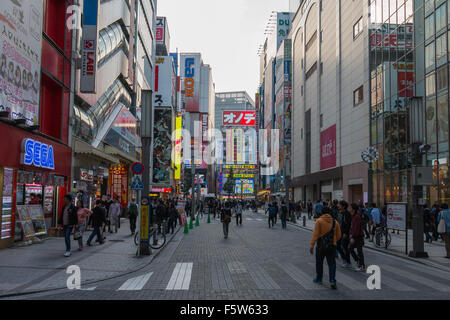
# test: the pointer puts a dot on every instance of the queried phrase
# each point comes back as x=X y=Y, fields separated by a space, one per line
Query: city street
x=256 y=262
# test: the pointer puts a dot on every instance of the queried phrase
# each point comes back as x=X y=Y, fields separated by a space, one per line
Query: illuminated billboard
x=239 y=118
x=190 y=81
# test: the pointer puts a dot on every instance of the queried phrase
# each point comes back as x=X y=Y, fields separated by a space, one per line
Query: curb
x=395 y=254
x=18 y=294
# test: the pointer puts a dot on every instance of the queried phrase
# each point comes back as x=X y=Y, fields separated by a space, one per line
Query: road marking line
x=415 y=277
x=89 y=289
x=181 y=277
x=299 y=276
x=136 y=283
x=349 y=282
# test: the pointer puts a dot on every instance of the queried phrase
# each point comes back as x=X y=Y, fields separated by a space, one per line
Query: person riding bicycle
x=376 y=219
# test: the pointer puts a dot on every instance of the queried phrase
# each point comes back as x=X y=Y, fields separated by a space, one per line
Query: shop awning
x=263 y=192
x=116 y=152
x=81 y=147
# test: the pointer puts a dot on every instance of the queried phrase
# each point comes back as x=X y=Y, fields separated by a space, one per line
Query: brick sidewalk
x=435 y=250
x=43 y=266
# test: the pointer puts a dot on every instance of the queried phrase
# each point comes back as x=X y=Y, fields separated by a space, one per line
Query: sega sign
x=37 y=154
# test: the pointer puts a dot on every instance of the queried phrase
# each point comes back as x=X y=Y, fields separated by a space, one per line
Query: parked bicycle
x=382 y=238
x=157 y=237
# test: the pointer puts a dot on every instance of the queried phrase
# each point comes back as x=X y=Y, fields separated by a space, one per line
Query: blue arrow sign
x=137 y=184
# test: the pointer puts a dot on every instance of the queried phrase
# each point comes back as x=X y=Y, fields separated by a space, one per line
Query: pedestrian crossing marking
x=249 y=219
x=259 y=219
x=136 y=283
x=299 y=276
x=181 y=277
x=415 y=277
x=349 y=282
x=88 y=289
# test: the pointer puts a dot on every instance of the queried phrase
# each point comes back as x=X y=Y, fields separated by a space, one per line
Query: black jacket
x=98 y=217
x=346 y=222
x=73 y=216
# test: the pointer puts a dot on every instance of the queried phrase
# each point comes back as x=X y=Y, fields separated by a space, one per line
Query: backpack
x=133 y=209
x=326 y=242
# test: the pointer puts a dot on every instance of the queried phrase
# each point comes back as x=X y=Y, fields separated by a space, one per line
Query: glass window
x=431 y=121
x=409 y=8
x=442 y=78
x=441 y=18
x=429 y=26
x=441 y=48
x=357 y=28
x=429 y=55
x=442 y=113
x=385 y=10
x=358 y=96
x=430 y=85
x=429 y=6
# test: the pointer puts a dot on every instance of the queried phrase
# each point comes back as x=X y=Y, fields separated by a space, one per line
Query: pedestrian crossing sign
x=137 y=184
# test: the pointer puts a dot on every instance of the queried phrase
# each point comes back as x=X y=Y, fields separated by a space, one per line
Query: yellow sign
x=144 y=222
x=237 y=166
x=241 y=175
x=177 y=151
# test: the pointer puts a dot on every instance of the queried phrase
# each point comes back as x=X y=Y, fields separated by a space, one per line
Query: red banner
x=328 y=148
x=239 y=118
x=118 y=187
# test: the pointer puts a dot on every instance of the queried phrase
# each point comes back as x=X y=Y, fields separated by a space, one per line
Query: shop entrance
x=356 y=193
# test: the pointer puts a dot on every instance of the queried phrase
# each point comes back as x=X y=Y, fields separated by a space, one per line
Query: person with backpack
x=238 y=212
x=444 y=227
x=225 y=218
x=357 y=237
x=326 y=233
x=272 y=214
x=376 y=219
x=132 y=215
x=345 y=221
x=283 y=215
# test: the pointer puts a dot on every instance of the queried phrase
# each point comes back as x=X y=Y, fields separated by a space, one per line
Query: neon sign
x=189 y=73
x=37 y=154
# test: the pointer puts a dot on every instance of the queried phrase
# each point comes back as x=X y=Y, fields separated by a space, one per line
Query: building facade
x=330 y=100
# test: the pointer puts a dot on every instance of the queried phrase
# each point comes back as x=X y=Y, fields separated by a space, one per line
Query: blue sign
x=37 y=154
x=137 y=184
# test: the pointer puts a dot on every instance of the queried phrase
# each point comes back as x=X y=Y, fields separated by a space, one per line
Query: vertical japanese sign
x=20 y=58
x=118 y=188
x=178 y=127
x=164 y=82
x=328 y=148
x=160 y=29
x=190 y=82
x=89 y=47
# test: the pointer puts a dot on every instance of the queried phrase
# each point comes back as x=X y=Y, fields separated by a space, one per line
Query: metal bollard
x=304 y=221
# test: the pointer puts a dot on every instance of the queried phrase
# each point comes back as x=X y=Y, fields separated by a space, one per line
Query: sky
x=226 y=32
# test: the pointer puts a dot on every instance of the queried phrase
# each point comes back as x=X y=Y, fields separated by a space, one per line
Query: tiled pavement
x=256 y=262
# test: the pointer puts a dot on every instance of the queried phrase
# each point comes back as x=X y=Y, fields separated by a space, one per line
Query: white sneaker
x=346 y=265
x=67 y=254
x=358 y=269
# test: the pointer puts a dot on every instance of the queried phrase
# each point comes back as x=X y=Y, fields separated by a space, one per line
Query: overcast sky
x=226 y=32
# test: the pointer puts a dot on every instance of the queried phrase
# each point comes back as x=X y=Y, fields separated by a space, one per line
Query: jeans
x=225 y=228
x=67 y=230
x=331 y=261
x=358 y=245
x=115 y=222
x=342 y=247
x=95 y=232
x=283 y=221
x=172 y=225
x=238 y=218
x=133 y=218
x=427 y=236
x=271 y=221
x=81 y=228
x=366 y=232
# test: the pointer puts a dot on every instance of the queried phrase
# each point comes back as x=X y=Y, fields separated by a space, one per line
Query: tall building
x=409 y=57
x=197 y=101
x=330 y=116
x=236 y=119
x=36 y=62
x=106 y=108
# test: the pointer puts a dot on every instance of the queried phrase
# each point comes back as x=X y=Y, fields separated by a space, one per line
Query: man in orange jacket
x=326 y=234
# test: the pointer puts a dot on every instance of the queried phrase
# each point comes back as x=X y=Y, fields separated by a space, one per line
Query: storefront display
x=7 y=202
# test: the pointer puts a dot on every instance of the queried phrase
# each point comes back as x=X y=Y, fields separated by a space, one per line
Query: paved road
x=256 y=262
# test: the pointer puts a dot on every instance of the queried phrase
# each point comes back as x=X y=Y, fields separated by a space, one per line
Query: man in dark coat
x=68 y=219
x=98 y=218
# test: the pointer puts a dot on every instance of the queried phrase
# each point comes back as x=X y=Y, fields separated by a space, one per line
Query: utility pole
x=146 y=137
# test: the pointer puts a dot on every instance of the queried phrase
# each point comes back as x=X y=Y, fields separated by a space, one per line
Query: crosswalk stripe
x=299 y=276
x=181 y=277
x=259 y=219
x=249 y=219
x=136 y=283
x=432 y=272
x=414 y=277
x=394 y=284
x=88 y=289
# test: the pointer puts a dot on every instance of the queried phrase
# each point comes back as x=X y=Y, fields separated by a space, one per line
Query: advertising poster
x=239 y=118
x=396 y=216
x=20 y=58
x=165 y=82
x=6 y=213
x=328 y=148
x=162 y=146
x=177 y=151
x=37 y=217
x=190 y=81
x=118 y=188
x=88 y=80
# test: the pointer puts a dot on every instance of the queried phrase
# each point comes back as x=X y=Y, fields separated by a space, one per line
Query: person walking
x=238 y=210
x=83 y=214
x=98 y=218
x=114 y=213
x=357 y=237
x=365 y=215
x=318 y=209
x=326 y=233
x=444 y=227
x=345 y=222
x=309 y=206
x=68 y=219
x=225 y=218
x=427 y=223
x=173 y=216
x=283 y=214
x=132 y=215
x=272 y=214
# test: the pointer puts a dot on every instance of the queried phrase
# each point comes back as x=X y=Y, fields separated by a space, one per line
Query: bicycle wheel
x=136 y=238
x=157 y=240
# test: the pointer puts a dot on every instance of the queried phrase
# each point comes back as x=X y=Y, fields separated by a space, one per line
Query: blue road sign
x=137 y=184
